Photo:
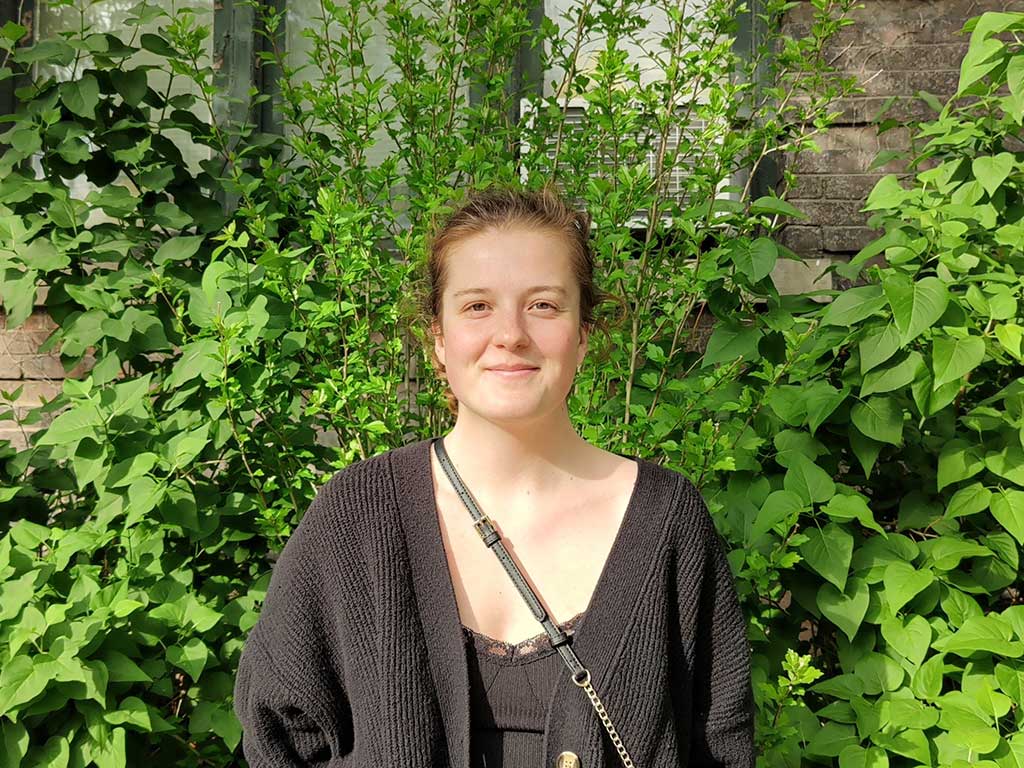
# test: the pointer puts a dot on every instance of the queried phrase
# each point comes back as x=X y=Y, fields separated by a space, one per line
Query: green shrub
x=879 y=491
x=231 y=346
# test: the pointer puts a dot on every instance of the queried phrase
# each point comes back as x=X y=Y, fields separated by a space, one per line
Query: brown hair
x=500 y=207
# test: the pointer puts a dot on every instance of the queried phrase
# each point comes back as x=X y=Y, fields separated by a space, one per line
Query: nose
x=511 y=330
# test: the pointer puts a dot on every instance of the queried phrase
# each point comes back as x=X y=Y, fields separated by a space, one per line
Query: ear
x=581 y=351
x=435 y=329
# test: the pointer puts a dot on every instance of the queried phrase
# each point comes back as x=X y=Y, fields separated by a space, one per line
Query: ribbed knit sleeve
x=723 y=701
x=289 y=692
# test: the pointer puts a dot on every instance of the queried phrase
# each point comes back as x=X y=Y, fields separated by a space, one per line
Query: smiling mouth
x=513 y=373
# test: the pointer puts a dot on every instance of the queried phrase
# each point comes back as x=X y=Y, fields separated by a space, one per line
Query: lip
x=512 y=372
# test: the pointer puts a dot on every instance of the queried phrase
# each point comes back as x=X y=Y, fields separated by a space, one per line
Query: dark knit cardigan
x=358 y=657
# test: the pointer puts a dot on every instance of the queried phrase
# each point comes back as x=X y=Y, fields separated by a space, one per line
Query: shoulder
x=363 y=489
x=689 y=519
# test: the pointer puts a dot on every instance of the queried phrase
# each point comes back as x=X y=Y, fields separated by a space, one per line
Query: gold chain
x=627 y=761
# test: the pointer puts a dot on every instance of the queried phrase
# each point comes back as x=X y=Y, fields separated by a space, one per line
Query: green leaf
x=832 y=739
x=126 y=472
x=72 y=425
x=1007 y=463
x=28 y=534
x=879 y=418
x=121 y=669
x=856 y=756
x=909 y=743
x=979 y=61
x=1011 y=680
x=853 y=305
x=729 y=342
x=13 y=742
x=916 y=306
x=845 y=609
x=982 y=634
x=879 y=673
x=902 y=582
x=158 y=45
x=55 y=753
x=927 y=680
x=775 y=206
x=1008 y=508
x=953 y=358
x=959 y=460
x=821 y=400
x=887 y=193
x=910 y=637
x=845 y=686
x=844 y=507
x=757 y=259
x=178 y=249
x=893 y=376
x=81 y=96
x=15 y=593
x=828 y=551
x=809 y=481
x=1011 y=336
x=992 y=171
x=865 y=449
x=181 y=449
x=130 y=83
x=790 y=442
x=191 y=657
x=198 y=358
x=23 y=679
x=208 y=716
x=18 y=295
x=946 y=552
x=878 y=346
x=930 y=401
x=969 y=500
x=53 y=51
x=130 y=711
x=779 y=506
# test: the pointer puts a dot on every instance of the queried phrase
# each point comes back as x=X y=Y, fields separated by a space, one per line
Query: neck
x=515 y=464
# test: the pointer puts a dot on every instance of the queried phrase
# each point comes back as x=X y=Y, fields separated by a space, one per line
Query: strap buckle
x=489 y=536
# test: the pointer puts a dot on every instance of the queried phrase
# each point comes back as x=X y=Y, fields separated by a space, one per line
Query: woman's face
x=511 y=301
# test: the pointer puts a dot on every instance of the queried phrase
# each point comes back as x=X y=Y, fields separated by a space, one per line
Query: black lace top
x=509 y=688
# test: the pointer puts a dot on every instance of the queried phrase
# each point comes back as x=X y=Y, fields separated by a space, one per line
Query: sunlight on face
x=511 y=301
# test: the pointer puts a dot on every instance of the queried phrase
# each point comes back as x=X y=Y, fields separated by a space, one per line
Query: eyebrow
x=535 y=289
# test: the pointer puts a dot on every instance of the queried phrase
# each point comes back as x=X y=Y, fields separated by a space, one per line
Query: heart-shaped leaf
x=992 y=171
x=879 y=418
x=845 y=609
x=1008 y=508
x=828 y=551
x=910 y=637
x=916 y=305
x=902 y=582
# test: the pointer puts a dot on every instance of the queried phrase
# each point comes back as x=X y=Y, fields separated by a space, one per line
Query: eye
x=476 y=304
x=548 y=303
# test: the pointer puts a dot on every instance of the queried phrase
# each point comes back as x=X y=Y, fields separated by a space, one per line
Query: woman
x=392 y=634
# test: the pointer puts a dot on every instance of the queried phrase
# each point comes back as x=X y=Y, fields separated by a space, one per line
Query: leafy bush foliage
x=863 y=458
x=882 y=486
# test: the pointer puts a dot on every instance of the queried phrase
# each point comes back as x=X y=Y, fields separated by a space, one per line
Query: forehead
x=511 y=256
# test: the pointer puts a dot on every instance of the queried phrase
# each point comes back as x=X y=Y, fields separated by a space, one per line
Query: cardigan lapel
x=602 y=635
x=435 y=595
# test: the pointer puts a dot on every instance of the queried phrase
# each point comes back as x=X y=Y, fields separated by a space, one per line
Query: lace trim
x=529 y=647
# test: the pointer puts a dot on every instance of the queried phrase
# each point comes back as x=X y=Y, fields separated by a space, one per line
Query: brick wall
x=38 y=374
x=895 y=48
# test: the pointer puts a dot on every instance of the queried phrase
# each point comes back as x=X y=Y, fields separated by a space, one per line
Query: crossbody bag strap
x=485 y=528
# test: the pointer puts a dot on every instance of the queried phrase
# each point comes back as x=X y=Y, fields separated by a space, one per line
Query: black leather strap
x=492 y=539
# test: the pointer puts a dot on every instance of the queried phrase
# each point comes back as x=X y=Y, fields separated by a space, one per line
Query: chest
x=561 y=547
